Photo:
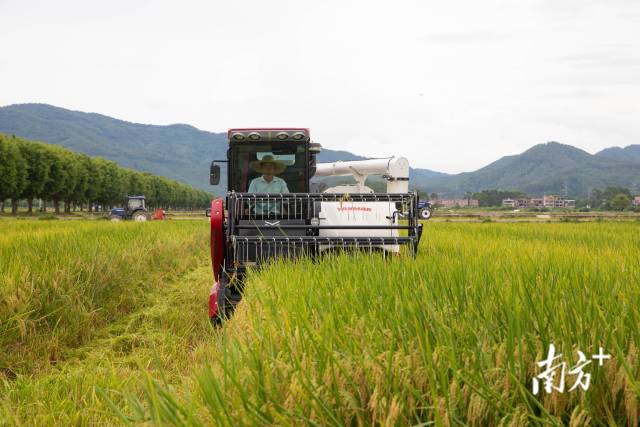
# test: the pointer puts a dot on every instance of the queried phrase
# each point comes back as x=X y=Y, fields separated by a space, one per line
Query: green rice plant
x=450 y=338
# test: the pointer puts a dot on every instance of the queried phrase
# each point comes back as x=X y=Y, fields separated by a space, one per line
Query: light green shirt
x=260 y=185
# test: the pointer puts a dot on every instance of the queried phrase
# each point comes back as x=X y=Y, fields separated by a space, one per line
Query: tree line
x=611 y=198
x=33 y=170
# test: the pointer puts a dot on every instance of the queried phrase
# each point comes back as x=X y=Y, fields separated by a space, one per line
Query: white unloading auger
x=394 y=169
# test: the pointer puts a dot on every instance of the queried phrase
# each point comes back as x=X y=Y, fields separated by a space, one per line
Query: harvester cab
x=134 y=209
x=269 y=212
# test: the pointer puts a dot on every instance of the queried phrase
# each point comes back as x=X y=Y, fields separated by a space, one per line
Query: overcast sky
x=452 y=85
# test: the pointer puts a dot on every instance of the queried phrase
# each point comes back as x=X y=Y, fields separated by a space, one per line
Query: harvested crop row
x=159 y=339
x=60 y=282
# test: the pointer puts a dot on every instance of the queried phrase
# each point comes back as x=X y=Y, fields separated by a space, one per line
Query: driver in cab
x=268 y=182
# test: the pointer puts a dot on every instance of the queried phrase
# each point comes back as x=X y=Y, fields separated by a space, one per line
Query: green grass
x=451 y=337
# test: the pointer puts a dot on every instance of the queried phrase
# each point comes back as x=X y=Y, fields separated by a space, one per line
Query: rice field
x=61 y=281
x=450 y=338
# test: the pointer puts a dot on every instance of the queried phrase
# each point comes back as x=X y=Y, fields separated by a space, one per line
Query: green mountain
x=628 y=153
x=183 y=153
x=178 y=151
x=544 y=168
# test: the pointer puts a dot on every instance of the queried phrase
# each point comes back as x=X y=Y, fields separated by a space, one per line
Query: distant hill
x=178 y=151
x=628 y=153
x=544 y=168
x=183 y=152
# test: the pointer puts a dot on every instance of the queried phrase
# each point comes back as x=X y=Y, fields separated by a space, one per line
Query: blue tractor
x=134 y=209
x=424 y=209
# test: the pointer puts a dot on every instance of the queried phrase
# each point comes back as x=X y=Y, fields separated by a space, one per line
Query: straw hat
x=258 y=165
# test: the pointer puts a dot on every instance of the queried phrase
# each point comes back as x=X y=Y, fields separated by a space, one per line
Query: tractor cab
x=133 y=203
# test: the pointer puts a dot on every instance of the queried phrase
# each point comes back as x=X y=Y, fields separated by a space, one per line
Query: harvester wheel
x=115 y=218
x=425 y=213
x=139 y=216
x=228 y=298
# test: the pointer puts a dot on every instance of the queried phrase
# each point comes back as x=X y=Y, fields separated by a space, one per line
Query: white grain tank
x=395 y=170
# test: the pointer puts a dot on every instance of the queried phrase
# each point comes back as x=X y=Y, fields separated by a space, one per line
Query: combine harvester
x=271 y=212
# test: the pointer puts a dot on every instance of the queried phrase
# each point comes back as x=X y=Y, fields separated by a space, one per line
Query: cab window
x=246 y=155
